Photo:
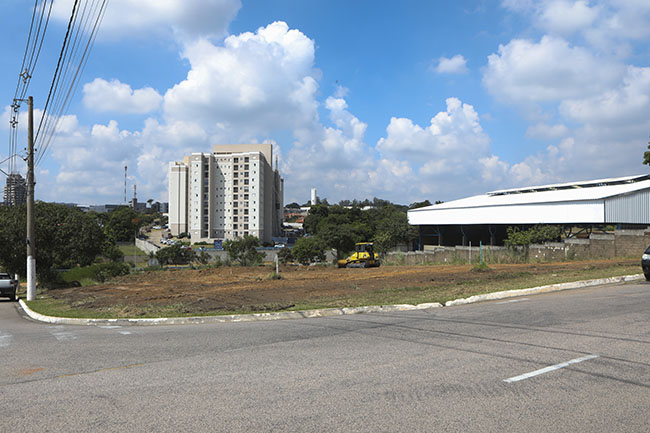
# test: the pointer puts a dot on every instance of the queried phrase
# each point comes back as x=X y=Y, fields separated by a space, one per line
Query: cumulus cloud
x=254 y=83
x=550 y=70
x=454 y=65
x=181 y=19
x=114 y=96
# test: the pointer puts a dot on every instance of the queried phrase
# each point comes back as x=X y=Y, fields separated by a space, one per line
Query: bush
x=243 y=250
x=285 y=255
x=308 y=250
x=176 y=255
x=535 y=235
x=98 y=272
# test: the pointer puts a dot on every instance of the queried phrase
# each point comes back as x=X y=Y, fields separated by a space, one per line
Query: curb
x=543 y=289
x=325 y=312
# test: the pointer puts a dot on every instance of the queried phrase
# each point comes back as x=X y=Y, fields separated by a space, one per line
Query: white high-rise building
x=231 y=192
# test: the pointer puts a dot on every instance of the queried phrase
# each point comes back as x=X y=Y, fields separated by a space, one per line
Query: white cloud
x=544 y=131
x=114 y=96
x=551 y=70
x=454 y=65
x=182 y=19
x=255 y=83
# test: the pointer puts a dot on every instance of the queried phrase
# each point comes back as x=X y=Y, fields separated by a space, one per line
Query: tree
x=646 y=155
x=308 y=250
x=392 y=229
x=122 y=224
x=534 y=235
x=285 y=255
x=65 y=237
x=419 y=204
x=293 y=205
x=175 y=254
x=243 y=250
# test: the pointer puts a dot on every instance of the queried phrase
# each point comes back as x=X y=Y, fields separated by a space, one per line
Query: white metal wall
x=631 y=208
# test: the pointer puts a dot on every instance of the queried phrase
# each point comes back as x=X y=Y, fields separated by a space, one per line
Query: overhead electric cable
x=73 y=59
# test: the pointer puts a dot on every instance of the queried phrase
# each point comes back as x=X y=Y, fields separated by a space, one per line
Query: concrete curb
x=543 y=289
x=325 y=312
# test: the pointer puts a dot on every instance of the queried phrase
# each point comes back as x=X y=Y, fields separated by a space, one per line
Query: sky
x=405 y=101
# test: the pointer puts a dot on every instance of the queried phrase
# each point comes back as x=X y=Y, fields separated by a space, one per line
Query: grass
x=484 y=281
x=131 y=250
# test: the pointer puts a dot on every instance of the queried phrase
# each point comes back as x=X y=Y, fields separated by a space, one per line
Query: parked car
x=645 y=263
x=8 y=286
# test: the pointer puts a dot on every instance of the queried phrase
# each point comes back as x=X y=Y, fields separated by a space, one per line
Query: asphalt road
x=442 y=369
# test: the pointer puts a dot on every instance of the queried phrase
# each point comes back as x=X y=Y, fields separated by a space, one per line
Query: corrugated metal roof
x=540 y=197
x=578 y=202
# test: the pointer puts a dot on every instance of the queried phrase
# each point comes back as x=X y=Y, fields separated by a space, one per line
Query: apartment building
x=231 y=192
x=15 y=191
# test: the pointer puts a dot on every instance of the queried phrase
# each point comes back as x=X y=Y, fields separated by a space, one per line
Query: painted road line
x=549 y=369
x=61 y=335
x=514 y=300
x=5 y=340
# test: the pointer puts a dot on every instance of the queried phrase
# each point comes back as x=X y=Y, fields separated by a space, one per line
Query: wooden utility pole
x=31 y=232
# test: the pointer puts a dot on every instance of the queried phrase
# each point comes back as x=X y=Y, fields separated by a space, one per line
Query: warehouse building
x=622 y=202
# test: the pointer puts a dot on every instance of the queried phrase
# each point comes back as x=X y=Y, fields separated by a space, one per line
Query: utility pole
x=31 y=232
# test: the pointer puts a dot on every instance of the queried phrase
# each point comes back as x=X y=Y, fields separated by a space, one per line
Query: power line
x=27 y=69
x=82 y=31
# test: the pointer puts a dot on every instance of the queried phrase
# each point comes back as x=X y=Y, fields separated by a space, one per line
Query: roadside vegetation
x=260 y=289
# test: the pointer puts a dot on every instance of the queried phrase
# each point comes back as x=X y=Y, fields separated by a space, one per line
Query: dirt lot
x=235 y=288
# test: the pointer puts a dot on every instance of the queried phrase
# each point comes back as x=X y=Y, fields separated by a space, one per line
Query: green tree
x=176 y=255
x=534 y=235
x=307 y=250
x=122 y=224
x=243 y=250
x=65 y=237
x=285 y=255
x=392 y=229
x=419 y=204
x=646 y=155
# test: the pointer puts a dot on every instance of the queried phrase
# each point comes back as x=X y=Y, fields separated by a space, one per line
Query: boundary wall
x=621 y=243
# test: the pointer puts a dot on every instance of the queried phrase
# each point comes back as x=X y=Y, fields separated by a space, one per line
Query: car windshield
x=647 y=250
x=5 y=277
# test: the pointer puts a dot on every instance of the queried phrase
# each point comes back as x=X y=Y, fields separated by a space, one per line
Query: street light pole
x=31 y=232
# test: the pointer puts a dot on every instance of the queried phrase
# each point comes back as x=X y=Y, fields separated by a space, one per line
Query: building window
x=234 y=189
x=235 y=196
x=235 y=167
x=235 y=219
x=245 y=166
x=235 y=211
x=235 y=227
x=245 y=211
x=235 y=182
x=245 y=181
x=245 y=174
x=246 y=159
x=245 y=197
x=235 y=159
x=245 y=226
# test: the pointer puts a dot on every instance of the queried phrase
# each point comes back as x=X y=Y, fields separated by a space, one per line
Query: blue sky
x=404 y=101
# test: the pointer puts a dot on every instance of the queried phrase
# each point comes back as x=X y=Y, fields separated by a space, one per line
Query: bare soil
x=251 y=289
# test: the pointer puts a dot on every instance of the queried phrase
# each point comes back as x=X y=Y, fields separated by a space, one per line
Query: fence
x=621 y=243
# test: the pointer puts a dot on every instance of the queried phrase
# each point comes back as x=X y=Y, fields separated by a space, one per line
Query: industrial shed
x=623 y=202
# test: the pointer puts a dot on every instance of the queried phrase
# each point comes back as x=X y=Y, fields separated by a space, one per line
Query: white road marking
x=125 y=332
x=549 y=369
x=110 y=327
x=5 y=340
x=61 y=335
x=514 y=300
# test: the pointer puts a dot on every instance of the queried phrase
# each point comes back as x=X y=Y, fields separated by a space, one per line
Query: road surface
x=566 y=361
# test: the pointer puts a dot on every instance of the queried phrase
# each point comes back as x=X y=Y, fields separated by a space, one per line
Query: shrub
x=176 y=255
x=308 y=250
x=99 y=272
x=285 y=255
x=243 y=250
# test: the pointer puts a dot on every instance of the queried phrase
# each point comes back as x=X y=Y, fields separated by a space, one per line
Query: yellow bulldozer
x=364 y=256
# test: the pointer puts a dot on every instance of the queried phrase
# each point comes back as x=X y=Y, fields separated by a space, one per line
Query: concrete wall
x=623 y=243
x=146 y=246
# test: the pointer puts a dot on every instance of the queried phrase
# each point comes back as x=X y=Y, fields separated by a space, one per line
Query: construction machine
x=364 y=256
